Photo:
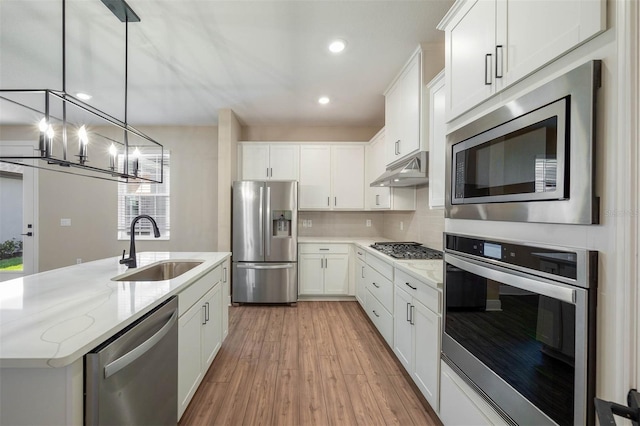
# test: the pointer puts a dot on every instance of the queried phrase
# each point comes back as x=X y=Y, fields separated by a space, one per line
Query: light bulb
x=323 y=100
x=337 y=46
x=42 y=125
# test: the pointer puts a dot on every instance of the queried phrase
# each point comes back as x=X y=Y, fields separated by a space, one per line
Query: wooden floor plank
x=389 y=402
x=285 y=404
x=233 y=407
x=305 y=321
x=412 y=402
x=289 y=348
x=204 y=406
x=344 y=350
x=322 y=331
x=336 y=395
x=364 y=402
x=260 y=404
x=312 y=404
x=273 y=332
x=253 y=342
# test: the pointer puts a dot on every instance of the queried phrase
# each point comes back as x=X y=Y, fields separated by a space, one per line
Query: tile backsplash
x=423 y=225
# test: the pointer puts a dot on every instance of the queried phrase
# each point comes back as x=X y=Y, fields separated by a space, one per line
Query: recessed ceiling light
x=83 y=96
x=337 y=46
x=323 y=100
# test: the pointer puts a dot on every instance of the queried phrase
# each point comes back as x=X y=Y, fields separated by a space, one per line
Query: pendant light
x=73 y=136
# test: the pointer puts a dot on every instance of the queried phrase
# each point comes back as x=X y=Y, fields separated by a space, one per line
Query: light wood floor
x=320 y=363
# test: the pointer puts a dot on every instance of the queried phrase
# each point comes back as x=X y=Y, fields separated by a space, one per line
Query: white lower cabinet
x=359 y=270
x=417 y=326
x=199 y=333
x=323 y=269
x=460 y=405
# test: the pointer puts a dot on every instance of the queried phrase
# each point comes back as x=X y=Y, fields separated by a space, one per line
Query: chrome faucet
x=131 y=260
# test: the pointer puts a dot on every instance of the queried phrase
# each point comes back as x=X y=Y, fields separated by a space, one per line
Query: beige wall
x=341 y=224
x=91 y=204
x=229 y=133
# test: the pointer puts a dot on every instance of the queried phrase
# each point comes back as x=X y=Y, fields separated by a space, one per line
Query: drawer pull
x=324 y=249
x=375 y=313
x=408 y=314
x=363 y=272
x=411 y=315
x=411 y=287
x=375 y=285
x=359 y=253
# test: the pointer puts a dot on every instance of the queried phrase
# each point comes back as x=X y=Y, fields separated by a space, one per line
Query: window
x=145 y=198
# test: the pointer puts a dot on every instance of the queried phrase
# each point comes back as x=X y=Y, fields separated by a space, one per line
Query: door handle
x=206 y=312
x=375 y=313
x=274 y=266
x=224 y=275
x=377 y=200
x=375 y=285
x=411 y=287
x=363 y=272
x=411 y=315
x=499 y=60
x=408 y=317
x=328 y=201
x=267 y=241
x=28 y=234
x=335 y=201
x=487 y=67
x=204 y=320
x=261 y=220
x=126 y=359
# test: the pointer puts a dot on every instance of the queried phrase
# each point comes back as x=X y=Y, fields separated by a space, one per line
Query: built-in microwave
x=531 y=160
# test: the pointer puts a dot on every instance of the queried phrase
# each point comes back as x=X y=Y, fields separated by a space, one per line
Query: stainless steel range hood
x=410 y=172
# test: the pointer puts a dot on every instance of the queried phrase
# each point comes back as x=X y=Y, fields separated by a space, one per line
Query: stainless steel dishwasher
x=132 y=379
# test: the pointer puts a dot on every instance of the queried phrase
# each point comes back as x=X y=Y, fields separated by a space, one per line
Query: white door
x=336 y=274
x=426 y=373
x=18 y=206
x=255 y=161
x=311 y=274
x=411 y=97
x=315 y=177
x=211 y=332
x=403 y=330
x=283 y=161
x=347 y=177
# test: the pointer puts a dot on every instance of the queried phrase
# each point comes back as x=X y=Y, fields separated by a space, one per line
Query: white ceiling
x=266 y=60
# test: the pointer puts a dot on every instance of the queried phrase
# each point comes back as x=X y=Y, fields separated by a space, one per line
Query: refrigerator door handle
x=267 y=238
x=270 y=266
x=261 y=225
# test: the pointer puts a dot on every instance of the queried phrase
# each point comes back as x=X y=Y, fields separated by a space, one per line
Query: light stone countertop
x=51 y=319
x=428 y=271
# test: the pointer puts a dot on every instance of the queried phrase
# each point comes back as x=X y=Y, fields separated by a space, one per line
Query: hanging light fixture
x=59 y=116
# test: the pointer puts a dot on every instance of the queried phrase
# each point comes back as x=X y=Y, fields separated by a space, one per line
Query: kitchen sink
x=164 y=270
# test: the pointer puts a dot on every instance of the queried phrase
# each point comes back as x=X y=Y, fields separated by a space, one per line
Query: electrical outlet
x=65 y=222
x=401 y=225
x=309 y=223
x=305 y=223
x=78 y=261
x=368 y=223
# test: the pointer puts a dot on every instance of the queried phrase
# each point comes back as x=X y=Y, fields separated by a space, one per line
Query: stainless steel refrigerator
x=265 y=246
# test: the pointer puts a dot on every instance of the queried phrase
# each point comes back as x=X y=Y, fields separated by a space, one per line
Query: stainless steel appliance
x=525 y=339
x=407 y=250
x=531 y=160
x=132 y=379
x=265 y=246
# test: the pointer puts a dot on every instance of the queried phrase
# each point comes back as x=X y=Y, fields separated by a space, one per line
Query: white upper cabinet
x=332 y=177
x=437 y=141
x=491 y=44
x=314 y=188
x=269 y=161
x=383 y=197
x=402 y=111
x=347 y=176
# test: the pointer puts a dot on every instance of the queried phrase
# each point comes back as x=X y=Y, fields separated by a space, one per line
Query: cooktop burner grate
x=407 y=250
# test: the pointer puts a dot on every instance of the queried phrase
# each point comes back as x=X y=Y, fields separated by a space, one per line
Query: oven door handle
x=514 y=278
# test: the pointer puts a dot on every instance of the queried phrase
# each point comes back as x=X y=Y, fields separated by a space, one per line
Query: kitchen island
x=48 y=321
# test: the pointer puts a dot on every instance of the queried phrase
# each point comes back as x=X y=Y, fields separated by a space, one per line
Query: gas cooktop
x=407 y=250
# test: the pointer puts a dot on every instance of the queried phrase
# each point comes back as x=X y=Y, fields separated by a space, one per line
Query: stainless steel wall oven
x=531 y=160
x=519 y=326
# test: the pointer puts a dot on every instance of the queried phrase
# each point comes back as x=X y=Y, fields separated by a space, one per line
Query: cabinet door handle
x=363 y=272
x=487 y=67
x=397 y=147
x=326 y=263
x=499 y=61
x=377 y=200
x=321 y=263
x=207 y=311
x=411 y=316
x=328 y=201
x=270 y=172
x=324 y=249
x=224 y=275
x=408 y=315
x=204 y=311
x=335 y=201
x=267 y=172
x=411 y=287
x=375 y=285
x=375 y=313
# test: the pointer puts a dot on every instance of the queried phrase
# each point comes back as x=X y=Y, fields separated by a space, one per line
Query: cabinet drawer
x=380 y=287
x=386 y=269
x=195 y=291
x=323 y=248
x=427 y=295
x=380 y=317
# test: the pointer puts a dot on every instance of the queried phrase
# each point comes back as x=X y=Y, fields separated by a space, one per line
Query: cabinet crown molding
x=446 y=19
